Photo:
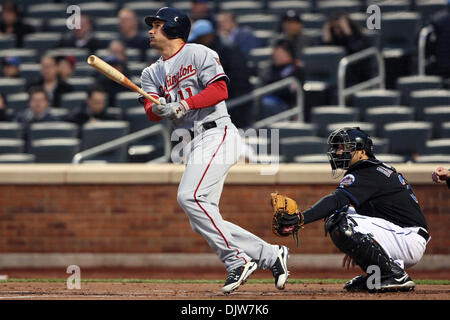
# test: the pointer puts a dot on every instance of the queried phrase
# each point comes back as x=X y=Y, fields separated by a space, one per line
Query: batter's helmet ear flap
x=177 y=23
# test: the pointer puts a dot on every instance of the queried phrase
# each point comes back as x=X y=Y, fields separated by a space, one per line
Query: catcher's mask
x=341 y=144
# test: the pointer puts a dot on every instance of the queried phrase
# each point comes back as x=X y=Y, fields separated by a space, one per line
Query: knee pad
x=341 y=232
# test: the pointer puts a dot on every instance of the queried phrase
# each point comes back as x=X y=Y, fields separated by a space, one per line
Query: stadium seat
x=428 y=98
x=390 y=158
x=407 y=138
x=47 y=10
x=365 y=99
x=380 y=145
x=347 y=6
x=257 y=55
x=31 y=72
x=18 y=101
x=241 y=7
x=324 y=115
x=391 y=5
x=137 y=118
x=399 y=31
x=80 y=54
x=25 y=55
x=12 y=145
x=382 y=115
x=369 y=128
x=84 y=70
x=313 y=20
x=127 y=99
x=7 y=41
x=408 y=84
x=99 y=9
x=41 y=41
x=81 y=83
x=321 y=63
x=445 y=130
x=429 y=7
x=73 y=100
x=143 y=8
x=280 y=7
x=100 y=132
x=17 y=158
x=106 y=36
x=12 y=85
x=437 y=116
x=56 y=25
x=432 y=158
x=265 y=36
x=10 y=130
x=297 y=146
x=259 y=21
x=107 y=24
x=294 y=129
x=312 y=158
x=55 y=150
x=438 y=146
x=56 y=129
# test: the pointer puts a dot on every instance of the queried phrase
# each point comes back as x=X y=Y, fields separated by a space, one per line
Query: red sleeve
x=212 y=95
x=148 y=110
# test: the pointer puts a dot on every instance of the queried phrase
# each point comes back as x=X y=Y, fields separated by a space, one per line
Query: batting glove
x=173 y=110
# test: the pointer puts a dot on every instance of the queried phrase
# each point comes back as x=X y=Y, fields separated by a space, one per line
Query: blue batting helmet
x=177 y=23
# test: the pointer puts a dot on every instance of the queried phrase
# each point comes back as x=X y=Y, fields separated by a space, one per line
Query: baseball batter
x=192 y=86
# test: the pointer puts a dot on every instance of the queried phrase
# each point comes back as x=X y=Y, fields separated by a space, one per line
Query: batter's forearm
x=210 y=96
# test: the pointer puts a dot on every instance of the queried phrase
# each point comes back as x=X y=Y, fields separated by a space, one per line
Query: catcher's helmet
x=177 y=23
x=351 y=139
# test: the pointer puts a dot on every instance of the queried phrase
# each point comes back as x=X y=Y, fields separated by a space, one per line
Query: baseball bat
x=117 y=76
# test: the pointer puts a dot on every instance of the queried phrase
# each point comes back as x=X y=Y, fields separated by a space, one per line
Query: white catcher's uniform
x=211 y=154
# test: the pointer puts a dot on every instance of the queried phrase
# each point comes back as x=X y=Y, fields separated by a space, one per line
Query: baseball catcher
x=373 y=216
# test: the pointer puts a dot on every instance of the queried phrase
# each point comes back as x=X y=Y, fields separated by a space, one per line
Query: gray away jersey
x=185 y=74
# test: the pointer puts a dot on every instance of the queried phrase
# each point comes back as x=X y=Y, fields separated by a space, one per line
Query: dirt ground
x=189 y=291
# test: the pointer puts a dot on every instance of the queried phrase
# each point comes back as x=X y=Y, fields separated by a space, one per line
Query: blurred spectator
x=51 y=82
x=94 y=109
x=129 y=32
x=283 y=65
x=11 y=22
x=82 y=37
x=232 y=34
x=112 y=87
x=38 y=110
x=118 y=49
x=66 y=66
x=5 y=114
x=200 y=10
x=441 y=48
x=11 y=67
x=292 y=30
x=342 y=31
x=441 y=174
x=234 y=65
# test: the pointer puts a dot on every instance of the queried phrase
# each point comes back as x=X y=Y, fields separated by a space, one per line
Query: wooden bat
x=117 y=76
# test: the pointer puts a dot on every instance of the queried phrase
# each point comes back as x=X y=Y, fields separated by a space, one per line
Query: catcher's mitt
x=287 y=218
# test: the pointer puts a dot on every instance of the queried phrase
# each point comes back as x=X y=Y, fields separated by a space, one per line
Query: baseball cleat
x=238 y=276
x=395 y=283
x=279 y=269
x=357 y=284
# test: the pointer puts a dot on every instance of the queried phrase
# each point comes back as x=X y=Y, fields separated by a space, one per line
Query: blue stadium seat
x=56 y=129
x=383 y=115
x=399 y=31
x=408 y=138
x=280 y=7
x=375 y=98
x=7 y=41
x=12 y=145
x=99 y=9
x=17 y=158
x=262 y=21
x=18 y=101
x=55 y=150
x=81 y=83
x=428 y=98
x=369 y=128
x=347 y=6
x=73 y=100
x=408 y=84
x=294 y=129
x=12 y=85
x=10 y=130
x=297 y=146
x=41 y=41
x=445 y=130
x=438 y=146
x=429 y=7
x=99 y=132
x=31 y=72
x=25 y=55
x=242 y=7
x=127 y=99
x=324 y=115
x=313 y=20
x=321 y=63
x=47 y=10
x=437 y=115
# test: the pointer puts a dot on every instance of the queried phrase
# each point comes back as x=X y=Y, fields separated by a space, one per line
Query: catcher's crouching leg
x=365 y=251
